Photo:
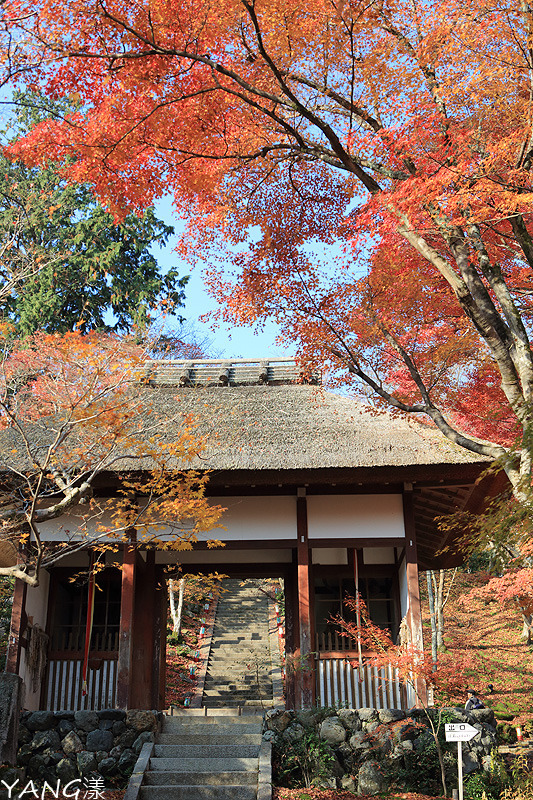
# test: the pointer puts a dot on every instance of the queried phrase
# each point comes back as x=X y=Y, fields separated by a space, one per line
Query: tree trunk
x=432 y=617
x=527 y=630
x=440 y=611
x=176 y=613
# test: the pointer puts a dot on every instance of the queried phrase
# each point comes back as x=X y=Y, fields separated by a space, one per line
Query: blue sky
x=228 y=342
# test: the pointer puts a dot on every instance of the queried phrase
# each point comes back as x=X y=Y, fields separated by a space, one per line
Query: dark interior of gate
x=319 y=490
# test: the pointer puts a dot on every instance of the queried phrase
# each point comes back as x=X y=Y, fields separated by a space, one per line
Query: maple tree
x=411 y=666
x=502 y=536
x=73 y=408
x=400 y=132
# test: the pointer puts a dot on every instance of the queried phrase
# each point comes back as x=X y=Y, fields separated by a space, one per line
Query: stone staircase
x=240 y=670
x=215 y=757
x=217 y=752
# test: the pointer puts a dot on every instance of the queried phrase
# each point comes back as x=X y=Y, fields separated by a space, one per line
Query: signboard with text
x=459 y=731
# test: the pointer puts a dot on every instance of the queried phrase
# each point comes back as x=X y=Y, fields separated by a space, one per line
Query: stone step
x=171 y=792
x=202 y=778
x=206 y=751
x=219 y=730
x=216 y=737
x=188 y=719
x=191 y=764
x=246 y=643
x=245 y=686
x=236 y=700
x=220 y=659
x=246 y=682
x=227 y=691
x=244 y=705
x=239 y=672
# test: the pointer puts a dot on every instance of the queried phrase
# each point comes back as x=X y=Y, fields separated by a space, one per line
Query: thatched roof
x=300 y=427
x=262 y=425
x=259 y=416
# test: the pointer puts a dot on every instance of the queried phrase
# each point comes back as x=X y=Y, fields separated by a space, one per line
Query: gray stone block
x=46 y=740
x=370 y=778
x=25 y=736
x=86 y=720
x=470 y=763
x=40 y=720
x=126 y=739
x=65 y=726
x=388 y=715
x=126 y=762
x=145 y=736
x=99 y=740
x=368 y=714
x=118 y=727
x=332 y=731
x=108 y=766
x=142 y=720
x=66 y=770
x=115 y=714
x=294 y=733
x=72 y=743
x=86 y=762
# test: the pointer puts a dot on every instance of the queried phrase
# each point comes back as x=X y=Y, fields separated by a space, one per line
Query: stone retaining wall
x=370 y=747
x=66 y=745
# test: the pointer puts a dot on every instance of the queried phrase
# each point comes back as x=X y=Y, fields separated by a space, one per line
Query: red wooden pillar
x=306 y=696
x=18 y=624
x=414 y=616
x=125 y=642
x=143 y=633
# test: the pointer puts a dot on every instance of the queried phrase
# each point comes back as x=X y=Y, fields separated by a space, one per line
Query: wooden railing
x=63 y=683
x=339 y=683
x=333 y=641
x=67 y=639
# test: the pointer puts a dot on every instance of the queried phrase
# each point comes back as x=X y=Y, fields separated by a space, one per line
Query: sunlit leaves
x=74 y=409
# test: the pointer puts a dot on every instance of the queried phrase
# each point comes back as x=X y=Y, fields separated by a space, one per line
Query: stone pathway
x=240 y=671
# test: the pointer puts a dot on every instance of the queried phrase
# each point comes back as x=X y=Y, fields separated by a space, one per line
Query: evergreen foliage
x=87 y=272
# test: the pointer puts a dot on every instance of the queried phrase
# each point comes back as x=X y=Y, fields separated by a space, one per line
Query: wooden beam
x=18 y=624
x=413 y=586
x=125 y=642
x=358 y=544
x=306 y=696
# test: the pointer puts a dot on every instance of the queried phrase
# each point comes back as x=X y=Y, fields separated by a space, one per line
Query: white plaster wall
x=268 y=518
x=256 y=518
x=252 y=519
x=364 y=516
x=76 y=525
x=36 y=609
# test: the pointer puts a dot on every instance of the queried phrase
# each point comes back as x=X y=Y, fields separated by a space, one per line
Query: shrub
x=302 y=763
x=506 y=733
x=487 y=785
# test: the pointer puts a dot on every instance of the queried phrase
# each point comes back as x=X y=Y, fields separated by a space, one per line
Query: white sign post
x=459 y=732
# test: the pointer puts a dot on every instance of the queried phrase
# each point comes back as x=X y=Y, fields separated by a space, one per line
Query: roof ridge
x=227 y=372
